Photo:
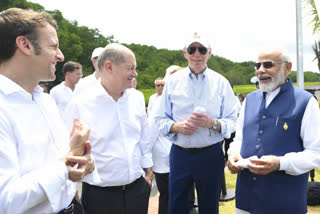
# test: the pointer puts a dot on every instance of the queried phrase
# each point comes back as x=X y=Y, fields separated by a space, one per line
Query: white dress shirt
x=118 y=133
x=293 y=163
x=62 y=95
x=85 y=83
x=32 y=139
x=161 y=145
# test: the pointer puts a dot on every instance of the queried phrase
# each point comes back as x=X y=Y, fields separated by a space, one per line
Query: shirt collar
x=101 y=91
x=202 y=75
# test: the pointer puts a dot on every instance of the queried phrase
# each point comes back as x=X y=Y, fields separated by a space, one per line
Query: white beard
x=276 y=81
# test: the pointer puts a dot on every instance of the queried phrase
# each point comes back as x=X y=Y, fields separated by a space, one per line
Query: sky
x=236 y=29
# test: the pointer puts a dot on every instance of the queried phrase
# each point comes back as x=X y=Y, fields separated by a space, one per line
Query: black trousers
x=134 y=199
x=162 y=180
x=227 y=142
x=74 y=208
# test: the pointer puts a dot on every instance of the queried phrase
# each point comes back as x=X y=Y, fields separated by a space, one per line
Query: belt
x=122 y=187
x=196 y=149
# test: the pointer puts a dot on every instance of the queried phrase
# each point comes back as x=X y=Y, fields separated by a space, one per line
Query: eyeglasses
x=267 y=64
x=192 y=50
x=158 y=85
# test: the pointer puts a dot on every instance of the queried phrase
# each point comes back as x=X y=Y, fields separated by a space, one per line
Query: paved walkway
x=153 y=204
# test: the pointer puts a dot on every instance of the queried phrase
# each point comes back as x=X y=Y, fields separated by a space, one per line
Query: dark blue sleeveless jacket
x=273 y=131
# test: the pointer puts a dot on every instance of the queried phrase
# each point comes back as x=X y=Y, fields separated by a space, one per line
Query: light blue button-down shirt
x=183 y=92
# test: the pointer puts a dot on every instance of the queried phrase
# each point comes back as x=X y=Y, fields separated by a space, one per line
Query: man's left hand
x=85 y=164
x=149 y=176
x=264 y=165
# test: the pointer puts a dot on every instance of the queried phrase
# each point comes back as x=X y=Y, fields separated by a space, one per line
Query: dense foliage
x=77 y=43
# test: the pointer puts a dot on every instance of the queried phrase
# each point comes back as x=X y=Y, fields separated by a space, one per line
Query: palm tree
x=314 y=13
x=316 y=50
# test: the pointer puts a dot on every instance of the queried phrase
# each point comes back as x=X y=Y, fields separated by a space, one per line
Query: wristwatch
x=215 y=124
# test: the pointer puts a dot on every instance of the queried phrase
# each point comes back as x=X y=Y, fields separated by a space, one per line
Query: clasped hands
x=259 y=166
x=196 y=120
x=80 y=152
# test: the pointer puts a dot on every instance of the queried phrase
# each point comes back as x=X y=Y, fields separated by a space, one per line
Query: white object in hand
x=200 y=109
x=244 y=162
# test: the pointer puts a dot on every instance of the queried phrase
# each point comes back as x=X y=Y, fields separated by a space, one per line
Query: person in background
x=134 y=83
x=64 y=92
x=40 y=161
x=196 y=112
x=277 y=141
x=44 y=86
x=88 y=81
x=119 y=136
x=160 y=150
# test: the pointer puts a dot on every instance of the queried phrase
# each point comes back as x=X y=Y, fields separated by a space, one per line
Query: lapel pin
x=285 y=126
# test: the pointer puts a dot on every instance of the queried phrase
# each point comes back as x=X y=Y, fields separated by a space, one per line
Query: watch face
x=215 y=124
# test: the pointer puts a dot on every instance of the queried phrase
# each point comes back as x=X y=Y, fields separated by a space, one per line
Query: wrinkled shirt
x=118 y=133
x=62 y=95
x=32 y=139
x=183 y=92
x=85 y=83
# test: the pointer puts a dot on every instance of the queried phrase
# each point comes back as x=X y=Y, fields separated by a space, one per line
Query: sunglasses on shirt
x=192 y=50
x=267 y=64
x=158 y=85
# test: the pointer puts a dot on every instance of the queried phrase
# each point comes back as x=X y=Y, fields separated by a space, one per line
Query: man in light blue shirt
x=197 y=111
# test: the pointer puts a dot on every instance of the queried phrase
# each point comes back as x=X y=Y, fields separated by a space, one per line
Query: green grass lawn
x=229 y=206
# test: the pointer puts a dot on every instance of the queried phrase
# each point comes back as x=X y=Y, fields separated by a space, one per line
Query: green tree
x=314 y=14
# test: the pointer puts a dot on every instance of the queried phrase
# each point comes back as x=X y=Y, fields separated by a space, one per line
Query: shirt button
x=254 y=178
x=264 y=117
x=261 y=132
x=257 y=147
x=259 y=139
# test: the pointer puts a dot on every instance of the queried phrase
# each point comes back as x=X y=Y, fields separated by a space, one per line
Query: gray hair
x=159 y=78
x=113 y=52
x=285 y=55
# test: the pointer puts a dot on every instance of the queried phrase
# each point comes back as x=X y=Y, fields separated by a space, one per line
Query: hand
x=232 y=159
x=185 y=127
x=149 y=175
x=200 y=120
x=78 y=136
x=264 y=165
x=85 y=164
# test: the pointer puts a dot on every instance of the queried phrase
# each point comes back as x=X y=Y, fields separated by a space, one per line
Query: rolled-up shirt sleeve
x=163 y=115
x=229 y=112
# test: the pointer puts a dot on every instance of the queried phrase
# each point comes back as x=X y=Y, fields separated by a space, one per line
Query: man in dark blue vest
x=277 y=141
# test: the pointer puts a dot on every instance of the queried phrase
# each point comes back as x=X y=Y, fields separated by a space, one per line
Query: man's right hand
x=185 y=127
x=78 y=136
x=232 y=159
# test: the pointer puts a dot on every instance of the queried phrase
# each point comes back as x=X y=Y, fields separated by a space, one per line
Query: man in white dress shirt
x=160 y=150
x=92 y=79
x=64 y=92
x=119 y=135
x=277 y=141
x=36 y=173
